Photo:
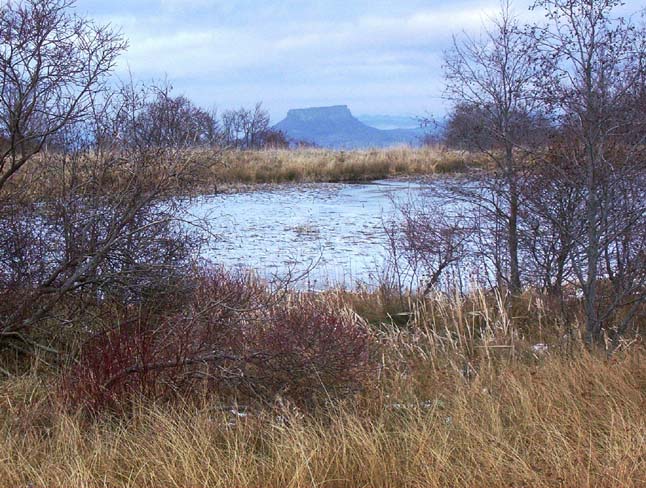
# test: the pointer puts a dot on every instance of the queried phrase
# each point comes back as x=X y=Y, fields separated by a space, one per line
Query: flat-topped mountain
x=335 y=127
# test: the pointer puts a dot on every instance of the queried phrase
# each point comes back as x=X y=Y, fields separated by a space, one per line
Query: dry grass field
x=213 y=170
x=323 y=165
x=474 y=391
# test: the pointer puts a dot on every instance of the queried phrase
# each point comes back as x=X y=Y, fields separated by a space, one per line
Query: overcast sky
x=376 y=56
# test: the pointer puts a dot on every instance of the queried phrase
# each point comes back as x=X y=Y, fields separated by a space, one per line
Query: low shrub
x=310 y=347
x=235 y=340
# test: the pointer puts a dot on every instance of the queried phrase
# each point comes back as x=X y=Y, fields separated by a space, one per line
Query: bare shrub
x=236 y=340
x=311 y=348
x=80 y=240
x=89 y=178
x=429 y=242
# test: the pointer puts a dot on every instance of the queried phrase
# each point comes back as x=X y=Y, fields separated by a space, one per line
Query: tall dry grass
x=462 y=397
x=323 y=165
x=212 y=170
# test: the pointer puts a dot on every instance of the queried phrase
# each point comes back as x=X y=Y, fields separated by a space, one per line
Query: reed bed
x=464 y=395
x=204 y=171
x=322 y=165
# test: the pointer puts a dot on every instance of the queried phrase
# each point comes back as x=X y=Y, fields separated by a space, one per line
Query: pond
x=337 y=230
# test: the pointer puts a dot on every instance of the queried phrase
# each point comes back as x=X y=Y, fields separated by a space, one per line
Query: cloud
x=376 y=53
x=192 y=51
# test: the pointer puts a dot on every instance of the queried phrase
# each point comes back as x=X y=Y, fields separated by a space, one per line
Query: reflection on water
x=337 y=227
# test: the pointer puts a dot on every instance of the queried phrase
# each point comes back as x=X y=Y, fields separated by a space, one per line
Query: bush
x=309 y=347
x=237 y=340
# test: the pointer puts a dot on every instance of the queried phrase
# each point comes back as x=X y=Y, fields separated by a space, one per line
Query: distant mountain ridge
x=335 y=127
x=387 y=122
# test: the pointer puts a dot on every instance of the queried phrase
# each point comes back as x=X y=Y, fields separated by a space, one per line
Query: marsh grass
x=461 y=398
x=213 y=170
x=322 y=165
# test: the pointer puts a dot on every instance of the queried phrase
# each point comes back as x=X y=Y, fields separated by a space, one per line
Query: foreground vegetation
x=473 y=391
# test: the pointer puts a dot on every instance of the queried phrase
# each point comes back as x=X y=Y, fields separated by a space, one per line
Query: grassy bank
x=473 y=391
x=211 y=170
x=321 y=165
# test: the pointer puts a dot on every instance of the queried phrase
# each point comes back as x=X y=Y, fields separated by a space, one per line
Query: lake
x=336 y=229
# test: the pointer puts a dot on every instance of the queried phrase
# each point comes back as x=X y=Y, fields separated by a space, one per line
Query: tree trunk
x=512 y=231
x=593 y=326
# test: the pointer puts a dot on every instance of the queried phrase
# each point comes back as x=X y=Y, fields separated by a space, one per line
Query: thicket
x=556 y=110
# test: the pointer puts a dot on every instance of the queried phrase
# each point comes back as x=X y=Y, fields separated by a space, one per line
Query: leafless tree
x=232 y=127
x=95 y=218
x=490 y=78
x=558 y=109
x=590 y=74
x=256 y=127
x=171 y=120
x=52 y=64
x=244 y=128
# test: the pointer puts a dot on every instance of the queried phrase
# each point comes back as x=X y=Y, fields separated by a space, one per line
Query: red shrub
x=308 y=347
x=235 y=339
x=106 y=373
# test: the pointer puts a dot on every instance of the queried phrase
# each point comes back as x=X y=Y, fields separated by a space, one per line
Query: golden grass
x=322 y=165
x=208 y=170
x=462 y=399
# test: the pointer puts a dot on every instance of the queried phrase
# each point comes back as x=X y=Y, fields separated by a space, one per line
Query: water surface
x=338 y=229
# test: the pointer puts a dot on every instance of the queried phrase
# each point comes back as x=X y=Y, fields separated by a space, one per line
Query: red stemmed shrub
x=236 y=339
x=311 y=347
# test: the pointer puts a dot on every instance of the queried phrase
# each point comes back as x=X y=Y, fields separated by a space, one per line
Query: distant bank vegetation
x=215 y=170
x=325 y=165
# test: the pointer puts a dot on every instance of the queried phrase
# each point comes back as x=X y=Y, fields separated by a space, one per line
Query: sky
x=376 y=56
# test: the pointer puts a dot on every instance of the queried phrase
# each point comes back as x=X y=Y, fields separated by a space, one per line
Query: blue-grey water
x=336 y=231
